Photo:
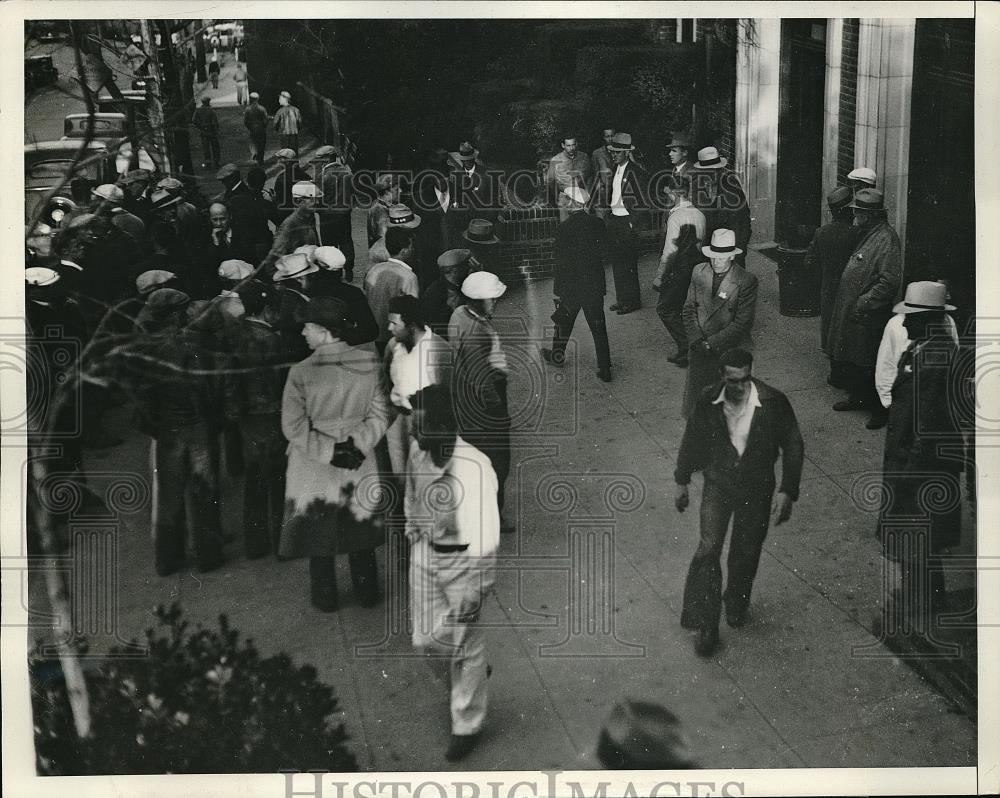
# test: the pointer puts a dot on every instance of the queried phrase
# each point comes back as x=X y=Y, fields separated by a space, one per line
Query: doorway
x=801 y=89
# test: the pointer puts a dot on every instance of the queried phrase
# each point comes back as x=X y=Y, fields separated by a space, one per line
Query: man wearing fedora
x=679 y=152
x=734 y=435
x=718 y=313
x=289 y=277
x=473 y=191
x=337 y=183
x=869 y=286
x=567 y=169
x=626 y=200
x=922 y=428
x=481 y=238
x=287 y=121
x=255 y=119
x=827 y=255
x=579 y=282
x=290 y=174
x=716 y=191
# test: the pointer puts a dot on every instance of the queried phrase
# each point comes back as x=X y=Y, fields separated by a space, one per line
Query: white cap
x=306 y=188
x=109 y=192
x=864 y=174
x=577 y=194
x=329 y=258
x=483 y=285
x=39 y=275
x=307 y=250
x=235 y=270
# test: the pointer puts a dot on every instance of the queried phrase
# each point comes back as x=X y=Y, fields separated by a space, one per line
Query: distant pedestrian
x=718 y=313
x=453 y=527
x=387 y=187
x=207 y=122
x=868 y=288
x=828 y=253
x=287 y=121
x=579 y=281
x=255 y=119
x=601 y=169
x=214 y=70
x=240 y=76
x=333 y=414
x=627 y=199
x=734 y=436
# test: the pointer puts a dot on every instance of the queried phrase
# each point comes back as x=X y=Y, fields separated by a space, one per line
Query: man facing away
x=734 y=436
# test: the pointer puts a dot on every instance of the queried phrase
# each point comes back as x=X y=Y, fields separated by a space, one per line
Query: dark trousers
x=215 y=80
x=323 y=579
x=336 y=231
x=623 y=252
x=263 y=483
x=593 y=311
x=668 y=308
x=859 y=382
x=210 y=148
x=186 y=490
x=290 y=141
x=750 y=511
x=259 y=143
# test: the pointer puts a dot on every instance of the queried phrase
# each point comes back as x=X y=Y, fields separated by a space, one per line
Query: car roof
x=108 y=115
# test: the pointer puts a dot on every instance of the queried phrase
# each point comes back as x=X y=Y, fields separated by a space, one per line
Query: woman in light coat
x=333 y=413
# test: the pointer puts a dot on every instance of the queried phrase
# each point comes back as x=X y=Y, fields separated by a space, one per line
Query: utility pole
x=156 y=119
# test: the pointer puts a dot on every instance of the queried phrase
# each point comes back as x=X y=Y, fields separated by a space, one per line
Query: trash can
x=798 y=287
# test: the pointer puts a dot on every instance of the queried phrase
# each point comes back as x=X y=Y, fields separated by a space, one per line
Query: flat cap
x=325 y=311
x=483 y=285
x=287 y=154
x=306 y=188
x=152 y=279
x=228 y=172
x=136 y=176
x=170 y=184
x=40 y=276
x=163 y=299
x=329 y=258
x=326 y=151
x=161 y=198
x=840 y=197
x=454 y=257
x=235 y=269
x=108 y=192
x=864 y=174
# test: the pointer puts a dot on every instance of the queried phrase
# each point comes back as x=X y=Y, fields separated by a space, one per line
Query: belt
x=442 y=548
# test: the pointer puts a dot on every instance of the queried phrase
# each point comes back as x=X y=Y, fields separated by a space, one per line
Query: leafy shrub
x=200 y=702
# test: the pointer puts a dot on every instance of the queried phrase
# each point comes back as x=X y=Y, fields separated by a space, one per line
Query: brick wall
x=848 y=99
x=527 y=236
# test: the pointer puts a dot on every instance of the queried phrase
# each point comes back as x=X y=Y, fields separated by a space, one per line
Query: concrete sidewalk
x=586 y=610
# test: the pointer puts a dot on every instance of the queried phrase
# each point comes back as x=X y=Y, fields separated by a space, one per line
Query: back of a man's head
x=397 y=239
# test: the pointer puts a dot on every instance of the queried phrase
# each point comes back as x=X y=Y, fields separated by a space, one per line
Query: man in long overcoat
x=579 y=281
x=868 y=288
x=828 y=253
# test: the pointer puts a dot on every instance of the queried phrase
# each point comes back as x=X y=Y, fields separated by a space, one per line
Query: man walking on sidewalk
x=734 y=437
x=452 y=558
x=255 y=120
x=287 y=121
x=207 y=122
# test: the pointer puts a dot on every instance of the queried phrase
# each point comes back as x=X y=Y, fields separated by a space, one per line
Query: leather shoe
x=624 y=309
x=877 y=421
x=707 y=642
x=848 y=404
x=688 y=621
x=604 y=376
x=614 y=306
x=460 y=746
x=555 y=358
x=738 y=618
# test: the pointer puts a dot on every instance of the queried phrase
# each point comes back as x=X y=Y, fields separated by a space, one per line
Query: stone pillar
x=831 y=108
x=756 y=162
x=882 y=127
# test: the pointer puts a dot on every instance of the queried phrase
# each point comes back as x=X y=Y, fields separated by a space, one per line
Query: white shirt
x=739 y=417
x=454 y=505
x=444 y=198
x=890 y=350
x=681 y=214
x=617 y=207
x=411 y=371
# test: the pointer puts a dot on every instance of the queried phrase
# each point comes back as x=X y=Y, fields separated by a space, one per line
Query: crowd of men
x=232 y=326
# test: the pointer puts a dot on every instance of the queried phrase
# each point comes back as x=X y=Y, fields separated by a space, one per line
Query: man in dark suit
x=473 y=191
x=626 y=195
x=716 y=192
x=734 y=437
x=579 y=281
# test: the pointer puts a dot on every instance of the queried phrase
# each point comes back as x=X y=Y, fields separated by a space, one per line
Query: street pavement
x=586 y=609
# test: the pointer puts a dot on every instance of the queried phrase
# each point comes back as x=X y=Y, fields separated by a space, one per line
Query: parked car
x=39 y=71
x=50 y=30
x=111 y=129
x=48 y=163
